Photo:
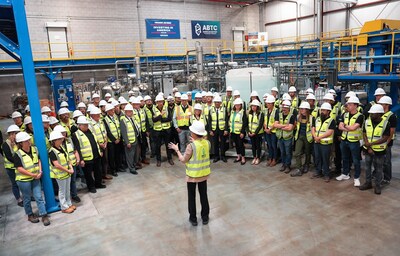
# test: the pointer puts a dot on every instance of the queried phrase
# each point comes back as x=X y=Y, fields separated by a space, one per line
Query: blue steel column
x=371 y=90
x=33 y=99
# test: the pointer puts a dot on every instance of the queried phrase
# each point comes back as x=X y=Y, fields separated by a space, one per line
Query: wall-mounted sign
x=206 y=29
x=263 y=38
x=162 y=29
x=252 y=38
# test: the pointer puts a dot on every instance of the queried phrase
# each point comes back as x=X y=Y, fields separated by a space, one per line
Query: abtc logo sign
x=206 y=29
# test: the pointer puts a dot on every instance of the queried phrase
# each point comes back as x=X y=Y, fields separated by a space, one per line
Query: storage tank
x=251 y=79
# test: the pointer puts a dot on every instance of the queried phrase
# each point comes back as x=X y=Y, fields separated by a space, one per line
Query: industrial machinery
x=63 y=90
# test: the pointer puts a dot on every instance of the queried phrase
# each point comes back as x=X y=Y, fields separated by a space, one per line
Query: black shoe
x=101 y=186
x=378 y=190
x=115 y=174
x=134 y=172
x=366 y=186
x=92 y=190
x=283 y=168
x=296 y=173
x=21 y=204
x=193 y=222
x=237 y=160
x=385 y=182
x=76 y=199
x=326 y=179
x=306 y=169
x=205 y=221
x=216 y=160
x=122 y=170
x=316 y=176
x=224 y=159
x=287 y=170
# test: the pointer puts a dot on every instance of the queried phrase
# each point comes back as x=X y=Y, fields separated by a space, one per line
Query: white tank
x=262 y=81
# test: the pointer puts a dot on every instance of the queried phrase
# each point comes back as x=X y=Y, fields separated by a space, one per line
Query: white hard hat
x=135 y=101
x=109 y=107
x=329 y=96
x=170 y=98
x=309 y=90
x=254 y=94
x=333 y=92
x=22 y=136
x=198 y=128
x=140 y=98
x=53 y=120
x=350 y=94
x=54 y=135
x=64 y=104
x=90 y=107
x=120 y=98
x=63 y=111
x=27 y=108
x=77 y=113
x=81 y=105
x=16 y=114
x=286 y=104
x=131 y=92
x=45 y=119
x=203 y=94
x=59 y=128
x=184 y=97
x=189 y=93
x=217 y=99
x=27 y=120
x=131 y=99
x=255 y=103
x=210 y=94
x=379 y=91
x=159 y=98
x=115 y=103
x=128 y=107
x=229 y=89
x=292 y=89
x=265 y=95
x=236 y=93
x=304 y=104
x=45 y=109
x=13 y=128
x=385 y=100
x=215 y=94
x=147 y=97
x=376 y=109
x=95 y=111
x=353 y=99
x=174 y=89
x=287 y=97
x=102 y=103
x=326 y=106
x=270 y=99
x=123 y=101
x=82 y=120
x=238 y=101
x=177 y=95
x=311 y=97
x=197 y=95
x=95 y=95
x=107 y=95
x=274 y=89
x=198 y=106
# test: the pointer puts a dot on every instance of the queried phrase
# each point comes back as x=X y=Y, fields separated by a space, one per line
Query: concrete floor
x=254 y=211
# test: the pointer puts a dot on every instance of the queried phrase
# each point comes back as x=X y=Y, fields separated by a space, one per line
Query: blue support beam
x=9 y=47
x=28 y=70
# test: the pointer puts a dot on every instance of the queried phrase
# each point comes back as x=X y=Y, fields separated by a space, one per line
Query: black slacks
x=93 y=173
x=205 y=208
x=114 y=156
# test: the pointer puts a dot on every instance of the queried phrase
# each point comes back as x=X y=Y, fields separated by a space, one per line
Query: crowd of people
x=107 y=136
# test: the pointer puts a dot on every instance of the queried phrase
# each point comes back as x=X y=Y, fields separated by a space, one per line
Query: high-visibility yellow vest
x=221 y=118
x=130 y=129
x=159 y=125
x=85 y=147
x=386 y=116
x=30 y=164
x=352 y=136
x=227 y=103
x=277 y=103
x=199 y=163
x=334 y=113
x=46 y=137
x=201 y=118
x=149 y=116
x=295 y=102
x=315 y=111
x=280 y=134
x=308 y=130
x=68 y=126
x=139 y=116
x=63 y=160
x=69 y=148
x=113 y=125
x=99 y=131
x=183 y=117
x=376 y=133
x=254 y=122
x=268 y=122
x=22 y=127
x=321 y=128
x=206 y=109
x=7 y=163
x=236 y=121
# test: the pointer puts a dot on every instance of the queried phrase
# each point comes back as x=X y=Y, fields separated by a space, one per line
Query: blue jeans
x=387 y=164
x=14 y=186
x=286 y=150
x=74 y=192
x=27 y=188
x=183 y=139
x=351 y=149
x=322 y=154
x=272 y=145
x=377 y=162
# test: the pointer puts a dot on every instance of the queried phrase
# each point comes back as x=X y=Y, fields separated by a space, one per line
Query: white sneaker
x=343 y=177
x=357 y=182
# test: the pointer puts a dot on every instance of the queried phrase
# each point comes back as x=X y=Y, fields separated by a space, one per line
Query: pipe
x=319 y=19
x=297 y=15
x=156 y=73
x=121 y=62
x=199 y=59
x=365 y=57
x=138 y=71
x=226 y=50
x=187 y=62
